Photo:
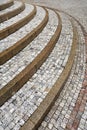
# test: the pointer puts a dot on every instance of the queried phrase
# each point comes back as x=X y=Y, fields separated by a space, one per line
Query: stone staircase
x=40 y=59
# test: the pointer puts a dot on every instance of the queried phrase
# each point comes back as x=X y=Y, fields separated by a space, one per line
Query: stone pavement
x=66 y=114
x=69 y=111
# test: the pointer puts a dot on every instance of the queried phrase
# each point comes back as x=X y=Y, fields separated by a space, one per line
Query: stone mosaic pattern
x=14 y=66
x=16 y=5
x=82 y=17
x=59 y=116
x=83 y=122
x=18 y=109
x=22 y=32
x=13 y=20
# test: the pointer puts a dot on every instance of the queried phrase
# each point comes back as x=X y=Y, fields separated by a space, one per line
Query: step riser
x=27 y=73
x=6 y=5
x=11 y=29
x=37 y=117
x=11 y=14
x=9 y=53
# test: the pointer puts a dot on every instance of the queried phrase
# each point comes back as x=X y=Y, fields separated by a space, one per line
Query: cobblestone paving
x=82 y=17
x=11 y=68
x=26 y=12
x=83 y=121
x=22 y=32
x=16 y=5
x=59 y=115
x=18 y=109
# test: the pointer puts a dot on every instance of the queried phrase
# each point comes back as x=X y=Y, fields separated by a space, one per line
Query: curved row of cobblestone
x=14 y=66
x=13 y=20
x=59 y=116
x=29 y=76
x=22 y=32
x=16 y=5
x=5 y=4
x=28 y=98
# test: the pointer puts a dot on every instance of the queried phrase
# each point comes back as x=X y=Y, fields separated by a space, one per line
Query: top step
x=5 y=4
x=11 y=11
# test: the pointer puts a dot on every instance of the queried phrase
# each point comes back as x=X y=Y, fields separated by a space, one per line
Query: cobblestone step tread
x=37 y=91
x=65 y=113
x=29 y=32
x=52 y=18
x=37 y=117
x=11 y=11
x=15 y=65
x=15 y=23
x=31 y=68
x=6 y=4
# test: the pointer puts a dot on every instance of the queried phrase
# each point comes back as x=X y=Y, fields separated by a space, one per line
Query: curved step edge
x=11 y=29
x=11 y=14
x=17 y=47
x=14 y=85
x=38 y=116
x=6 y=5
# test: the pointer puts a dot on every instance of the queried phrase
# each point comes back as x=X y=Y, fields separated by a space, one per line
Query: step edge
x=21 y=44
x=6 y=5
x=12 y=13
x=37 y=117
x=3 y=91
x=29 y=70
x=14 y=27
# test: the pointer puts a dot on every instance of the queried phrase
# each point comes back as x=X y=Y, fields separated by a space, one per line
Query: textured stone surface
x=60 y=116
x=70 y=109
x=28 y=98
x=18 y=35
x=14 y=6
x=16 y=65
x=28 y=9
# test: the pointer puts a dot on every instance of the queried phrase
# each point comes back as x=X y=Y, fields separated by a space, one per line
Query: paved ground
x=65 y=114
x=77 y=8
x=70 y=109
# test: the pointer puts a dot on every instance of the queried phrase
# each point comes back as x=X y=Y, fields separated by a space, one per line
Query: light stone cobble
x=13 y=20
x=14 y=66
x=22 y=32
x=82 y=17
x=16 y=5
x=20 y=106
x=65 y=103
x=83 y=122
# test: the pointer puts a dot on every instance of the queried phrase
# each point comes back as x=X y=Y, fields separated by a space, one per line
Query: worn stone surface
x=63 y=114
x=70 y=110
x=13 y=20
x=14 y=6
x=27 y=99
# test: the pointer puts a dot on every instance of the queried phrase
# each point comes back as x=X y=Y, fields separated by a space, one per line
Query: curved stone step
x=26 y=51
x=11 y=11
x=28 y=98
x=53 y=92
x=15 y=23
x=65 y=113
x=36 y=58
x=24 y=36
x=6 y=4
